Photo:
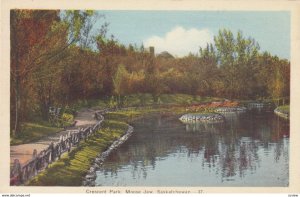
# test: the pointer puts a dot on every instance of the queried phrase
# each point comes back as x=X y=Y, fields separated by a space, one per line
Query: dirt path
x=23 y=152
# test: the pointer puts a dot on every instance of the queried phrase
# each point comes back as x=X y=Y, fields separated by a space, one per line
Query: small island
x=202 y=117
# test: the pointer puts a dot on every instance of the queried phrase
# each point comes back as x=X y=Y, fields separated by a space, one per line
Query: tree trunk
x=17 y=106
x=14 y=47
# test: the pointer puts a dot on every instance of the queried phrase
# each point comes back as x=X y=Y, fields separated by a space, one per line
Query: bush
x=67 y=117
x=66 y=120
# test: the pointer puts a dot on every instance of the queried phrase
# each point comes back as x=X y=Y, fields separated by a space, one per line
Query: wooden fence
x=20 y=174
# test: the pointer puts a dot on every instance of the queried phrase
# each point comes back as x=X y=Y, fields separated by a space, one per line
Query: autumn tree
x=35 y=56
x=27 y=53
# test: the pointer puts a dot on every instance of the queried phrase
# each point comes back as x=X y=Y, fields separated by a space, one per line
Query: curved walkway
x=24 y=152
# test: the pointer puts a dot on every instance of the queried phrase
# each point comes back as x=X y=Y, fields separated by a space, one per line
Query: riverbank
x=283 y=111
x=91 y=175
x=71 y=169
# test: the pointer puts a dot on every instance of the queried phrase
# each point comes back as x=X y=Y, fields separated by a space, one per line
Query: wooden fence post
x=34 y=154
x=52 y=154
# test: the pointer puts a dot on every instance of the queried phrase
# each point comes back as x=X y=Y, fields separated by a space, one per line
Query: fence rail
x=20 y=174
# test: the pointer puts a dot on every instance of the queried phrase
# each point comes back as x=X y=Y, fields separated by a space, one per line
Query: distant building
x=151 y=49
x=166 y=55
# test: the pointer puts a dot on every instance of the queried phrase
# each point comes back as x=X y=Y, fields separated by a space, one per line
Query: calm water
x=249 y=149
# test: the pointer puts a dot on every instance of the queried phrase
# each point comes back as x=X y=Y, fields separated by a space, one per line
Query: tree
x=34 y=55
x=119 y=81
x=153 y=81
x=236 y=59
x=25 y=55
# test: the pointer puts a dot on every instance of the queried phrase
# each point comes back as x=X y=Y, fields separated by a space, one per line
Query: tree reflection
x=233 y=148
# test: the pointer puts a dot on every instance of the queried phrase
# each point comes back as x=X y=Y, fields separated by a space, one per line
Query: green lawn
x=70 y=169
x=32 y=132
x=167 y=99
x=142 y=100
x=284 y=109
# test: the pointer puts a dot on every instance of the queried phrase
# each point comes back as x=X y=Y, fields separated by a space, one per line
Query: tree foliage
x=57 y=59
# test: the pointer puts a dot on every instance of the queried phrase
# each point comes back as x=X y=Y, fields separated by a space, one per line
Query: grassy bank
x=38 y=128
x=69 y=170
x=142 y=100
x=284 y=109
x=33 y=131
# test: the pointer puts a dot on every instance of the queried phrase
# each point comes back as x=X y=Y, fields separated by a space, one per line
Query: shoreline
x=281 y=113
x=90 y=177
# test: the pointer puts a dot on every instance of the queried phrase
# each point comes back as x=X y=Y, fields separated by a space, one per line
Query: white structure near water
x=211 y=117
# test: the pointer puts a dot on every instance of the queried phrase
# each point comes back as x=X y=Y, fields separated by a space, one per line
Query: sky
x=182 y=32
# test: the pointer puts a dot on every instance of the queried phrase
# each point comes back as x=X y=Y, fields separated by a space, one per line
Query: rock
x=89 y=183
x=96 y=166
x=92 y=169
x=211 y=117
x=90 y=176
x=98 y=160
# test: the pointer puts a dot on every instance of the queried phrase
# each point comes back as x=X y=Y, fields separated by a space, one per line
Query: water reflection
x=248 y=149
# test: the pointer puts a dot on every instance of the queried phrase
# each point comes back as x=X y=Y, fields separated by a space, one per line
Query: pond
x=248 y=149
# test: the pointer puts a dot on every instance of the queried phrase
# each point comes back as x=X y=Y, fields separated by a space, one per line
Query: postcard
x=167 y=97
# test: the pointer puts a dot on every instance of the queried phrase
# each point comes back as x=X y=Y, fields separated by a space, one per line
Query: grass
x=184 y=99
x=71 y=168
x=37 y=129
x=142 y=100
x=284 y=109
x=32 y=132
x=103 y=103
x=166 y=99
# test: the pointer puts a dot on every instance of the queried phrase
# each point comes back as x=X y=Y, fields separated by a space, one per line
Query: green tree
x=236 y=59
x=119 y=82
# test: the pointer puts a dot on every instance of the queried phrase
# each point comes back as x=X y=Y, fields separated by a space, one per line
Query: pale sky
x=182 y=32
